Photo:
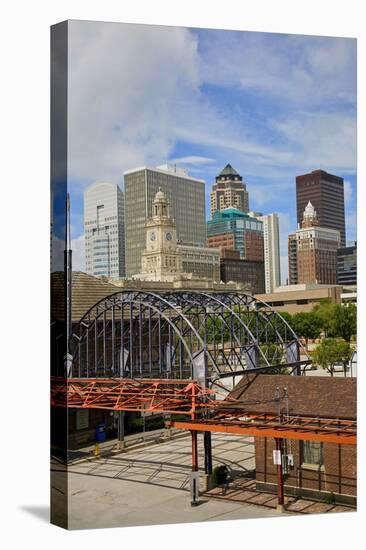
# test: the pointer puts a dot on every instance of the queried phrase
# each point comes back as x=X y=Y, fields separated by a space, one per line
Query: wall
x=337 y=475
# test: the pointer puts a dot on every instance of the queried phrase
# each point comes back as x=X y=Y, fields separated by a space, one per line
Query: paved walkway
x=151 y=485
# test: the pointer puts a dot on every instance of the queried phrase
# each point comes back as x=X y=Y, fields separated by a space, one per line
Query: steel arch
x=144 y=334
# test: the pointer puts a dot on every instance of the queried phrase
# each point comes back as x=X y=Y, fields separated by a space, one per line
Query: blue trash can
x=100 y=432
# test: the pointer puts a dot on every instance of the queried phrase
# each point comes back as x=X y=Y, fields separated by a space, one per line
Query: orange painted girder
x=301 y=432
x=175 y=396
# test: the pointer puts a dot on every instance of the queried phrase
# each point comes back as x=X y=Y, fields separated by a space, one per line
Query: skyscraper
x=347 y=265
x=271 y=240
x=292 y=259
x=104 y=230
x=316 y=250
x=186 y=197
x=326 y=193
x=229 y=191
x=239 y=237
x=232 y=229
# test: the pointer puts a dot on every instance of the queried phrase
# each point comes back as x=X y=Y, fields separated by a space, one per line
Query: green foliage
x=345 y=321
x=330 y=499
x=288 y=318
x=325 y=312
x=220 y=475
x=307 y=325
x=331 y=351
x=271 y=352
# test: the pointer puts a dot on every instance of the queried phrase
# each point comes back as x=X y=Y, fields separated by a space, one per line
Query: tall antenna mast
x=68 y=288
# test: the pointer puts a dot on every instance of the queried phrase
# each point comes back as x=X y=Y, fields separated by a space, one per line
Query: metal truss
x=159 y=335
x=156 y=396
x=207 y=413
x=342 y=432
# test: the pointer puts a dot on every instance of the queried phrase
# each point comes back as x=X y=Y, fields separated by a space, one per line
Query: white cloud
x=300 y=69
x=135 y=90
x=126 y=85
x=321 y=140
x=193 y=160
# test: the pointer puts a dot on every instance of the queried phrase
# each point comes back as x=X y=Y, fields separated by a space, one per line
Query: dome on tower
x=160 y=196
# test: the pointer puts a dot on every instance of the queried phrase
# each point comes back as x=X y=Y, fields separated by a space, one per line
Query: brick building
x=326 y=193
x=316 y=251
x=317 y=470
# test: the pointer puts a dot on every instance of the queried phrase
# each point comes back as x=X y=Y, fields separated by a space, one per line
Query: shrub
x=220 y=474
x=330 y=499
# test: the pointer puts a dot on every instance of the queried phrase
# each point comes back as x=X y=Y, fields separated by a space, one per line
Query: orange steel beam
x=188 y=397
x=304 y=433
x=174 y=396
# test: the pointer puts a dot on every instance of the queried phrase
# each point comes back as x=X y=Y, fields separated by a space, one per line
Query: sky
x=272 y=105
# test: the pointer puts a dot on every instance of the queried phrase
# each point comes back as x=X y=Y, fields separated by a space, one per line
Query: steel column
x=208 y=452
x=280 y=500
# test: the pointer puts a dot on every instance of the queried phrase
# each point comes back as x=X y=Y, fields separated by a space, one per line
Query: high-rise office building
x=316 y=250
x=292 y=259
x=229 y=191
x=232 y=229
x=271 y=240
x=104 y=230
x=347 y=265
x=239 y=237
x=326 y=193
x=186 y=197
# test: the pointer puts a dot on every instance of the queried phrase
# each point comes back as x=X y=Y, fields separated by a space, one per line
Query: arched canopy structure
x=180 y=334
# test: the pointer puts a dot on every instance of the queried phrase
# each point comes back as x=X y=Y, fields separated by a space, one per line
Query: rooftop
x=229 y=171
x=321 y=396
x=177 y=173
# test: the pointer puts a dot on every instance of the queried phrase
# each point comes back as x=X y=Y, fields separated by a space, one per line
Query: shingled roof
x=86 y=291
x=323 y=396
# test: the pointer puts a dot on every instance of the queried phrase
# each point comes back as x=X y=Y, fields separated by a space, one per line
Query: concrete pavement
x=151 y=486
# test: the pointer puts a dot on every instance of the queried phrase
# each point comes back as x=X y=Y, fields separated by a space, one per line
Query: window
x=312 y=453
x=82 y=419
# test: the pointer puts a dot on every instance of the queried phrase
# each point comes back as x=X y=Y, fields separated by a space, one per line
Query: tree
x=325 y=311
x=345 y=321
x=330 y=352
x=307 y=325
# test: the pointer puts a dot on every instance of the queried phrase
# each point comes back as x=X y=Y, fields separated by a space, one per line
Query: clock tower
x=161 y=259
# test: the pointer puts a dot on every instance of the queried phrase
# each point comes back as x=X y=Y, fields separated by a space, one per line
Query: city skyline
x=277 y=106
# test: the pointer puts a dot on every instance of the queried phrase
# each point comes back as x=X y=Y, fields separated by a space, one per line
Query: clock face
x=152 y=236
x=168 y=236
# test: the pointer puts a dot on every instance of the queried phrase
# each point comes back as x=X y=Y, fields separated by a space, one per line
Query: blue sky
x=272 y=105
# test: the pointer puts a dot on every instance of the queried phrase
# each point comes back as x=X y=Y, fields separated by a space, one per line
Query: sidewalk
x=131 y=442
